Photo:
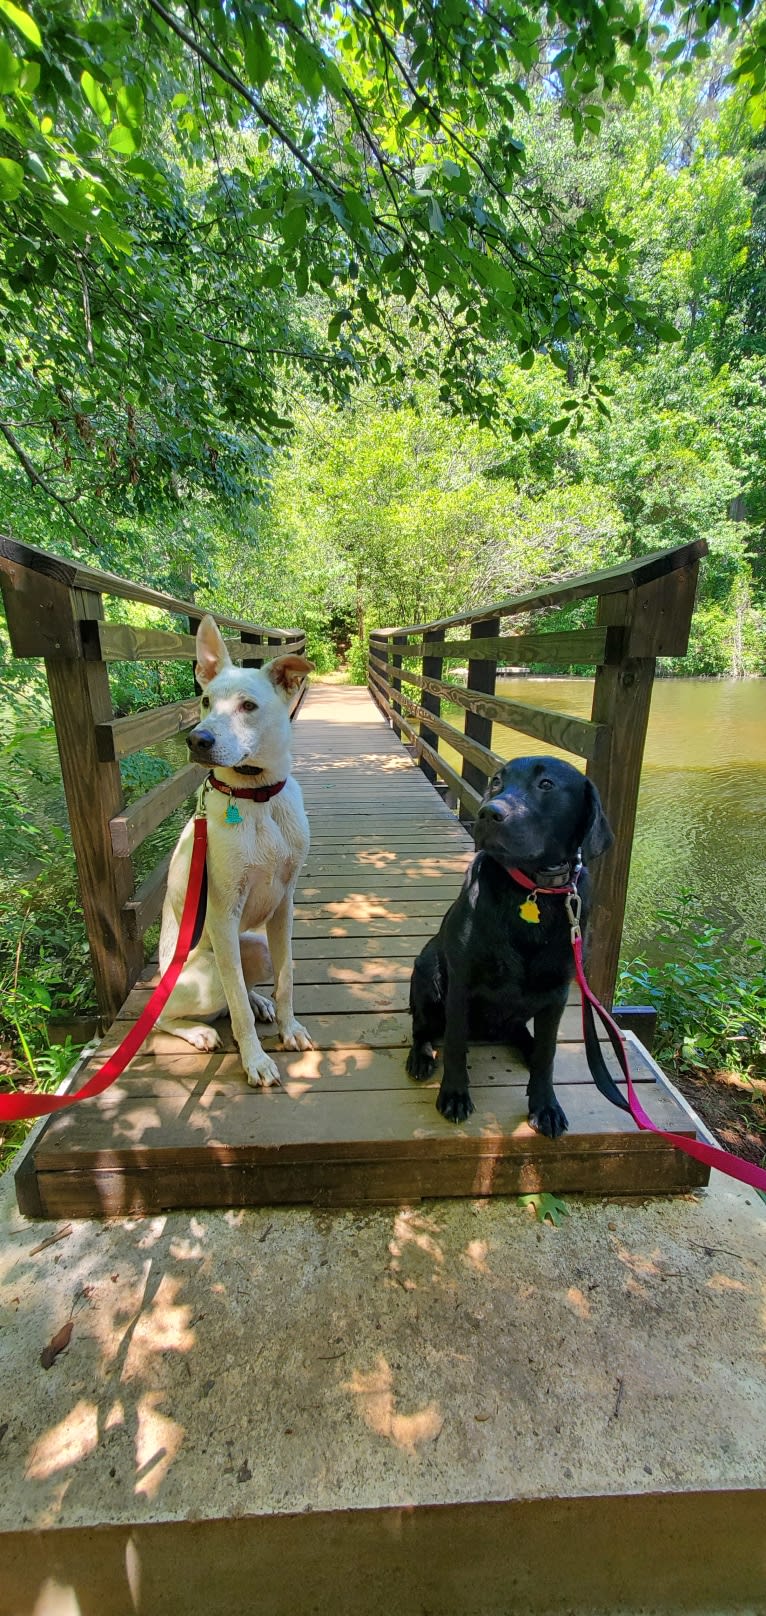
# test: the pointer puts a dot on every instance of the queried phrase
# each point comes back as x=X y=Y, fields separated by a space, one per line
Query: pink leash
x=14 y=1107
x=712 y=1155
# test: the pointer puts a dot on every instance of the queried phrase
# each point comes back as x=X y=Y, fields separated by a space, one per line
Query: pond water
x=702 y=803
x=701 y=808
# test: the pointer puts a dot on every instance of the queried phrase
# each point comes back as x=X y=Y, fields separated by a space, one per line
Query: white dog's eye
x=205 y=702
x=248 y=707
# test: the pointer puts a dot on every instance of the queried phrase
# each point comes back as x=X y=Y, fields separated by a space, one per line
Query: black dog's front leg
x=454 y=1100
x=545 y=1113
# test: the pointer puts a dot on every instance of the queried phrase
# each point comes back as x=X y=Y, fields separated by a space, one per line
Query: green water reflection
x=702 y=802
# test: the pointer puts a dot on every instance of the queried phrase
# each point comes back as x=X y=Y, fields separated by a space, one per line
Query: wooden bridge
x=388 y=855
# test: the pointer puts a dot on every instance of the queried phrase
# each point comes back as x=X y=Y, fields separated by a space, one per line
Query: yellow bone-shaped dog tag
x=529 y=911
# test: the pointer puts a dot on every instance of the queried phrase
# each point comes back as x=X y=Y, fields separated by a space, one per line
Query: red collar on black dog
x=255 y=793
x=567 y=885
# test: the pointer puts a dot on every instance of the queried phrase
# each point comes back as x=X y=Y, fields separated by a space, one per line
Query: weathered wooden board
x=347 y=1127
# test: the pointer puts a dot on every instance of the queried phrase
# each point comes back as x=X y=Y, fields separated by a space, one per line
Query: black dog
x=489 y=970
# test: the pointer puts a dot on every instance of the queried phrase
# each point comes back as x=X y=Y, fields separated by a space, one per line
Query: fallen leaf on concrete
x=60 y=1341
x=244 y=1473
x=546 y=1206
x=3 y=1429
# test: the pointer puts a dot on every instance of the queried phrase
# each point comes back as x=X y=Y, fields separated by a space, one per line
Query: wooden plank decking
x=347 y=1127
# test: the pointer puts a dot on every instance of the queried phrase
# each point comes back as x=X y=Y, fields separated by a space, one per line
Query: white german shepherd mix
x=256 y=845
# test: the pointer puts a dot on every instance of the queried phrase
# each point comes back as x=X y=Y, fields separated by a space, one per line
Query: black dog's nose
x=496 y=811
x=201 y=740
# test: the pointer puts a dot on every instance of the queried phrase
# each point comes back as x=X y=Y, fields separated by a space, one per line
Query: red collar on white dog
x=255 y=793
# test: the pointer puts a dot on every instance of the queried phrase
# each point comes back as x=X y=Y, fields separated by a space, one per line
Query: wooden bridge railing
x=55 y=610
x=644 y=611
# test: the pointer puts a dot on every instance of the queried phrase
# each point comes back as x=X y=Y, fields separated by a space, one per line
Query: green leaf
x=259 y=57
x=307 y=69
x=666 y=332
x=95 y=97
x=11 y=179
x=546 y=1206
x=21 y=19
x=111 y=233
x=36 y=166
x=130 y=105
x=435 y=216
x=10 y=67
x=407 y=283
x=29 y=77
x=293 y=226
x=124 y=140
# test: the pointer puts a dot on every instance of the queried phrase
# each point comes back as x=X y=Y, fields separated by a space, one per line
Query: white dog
x=254 y=853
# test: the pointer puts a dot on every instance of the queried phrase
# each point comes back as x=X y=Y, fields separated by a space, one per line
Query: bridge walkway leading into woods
x=347 y=1127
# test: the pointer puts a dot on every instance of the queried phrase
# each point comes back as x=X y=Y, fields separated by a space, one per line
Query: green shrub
x=357 y=661
x=321 y=652
x=709 y=1012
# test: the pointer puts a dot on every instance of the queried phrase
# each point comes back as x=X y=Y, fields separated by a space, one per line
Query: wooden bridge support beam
x=482 y=676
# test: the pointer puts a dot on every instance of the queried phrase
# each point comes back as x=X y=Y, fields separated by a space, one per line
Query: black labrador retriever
x=500 y=956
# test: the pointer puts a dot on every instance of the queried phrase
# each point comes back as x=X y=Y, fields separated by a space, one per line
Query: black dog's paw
x=549 y=1119
x=421 y=1062
x=455 y=1104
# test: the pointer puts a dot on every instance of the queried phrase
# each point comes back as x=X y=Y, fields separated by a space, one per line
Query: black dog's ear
x=596 y=833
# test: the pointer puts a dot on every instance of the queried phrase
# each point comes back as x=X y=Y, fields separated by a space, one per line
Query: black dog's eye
x=248 y=707
x=545 y=784
x=496 y=782
x=205 y=702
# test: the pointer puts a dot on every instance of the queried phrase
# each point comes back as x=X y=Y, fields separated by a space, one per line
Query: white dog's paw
x=263 y=1008
x=295 y=1036
x=202 y=1037
x=263 y=1073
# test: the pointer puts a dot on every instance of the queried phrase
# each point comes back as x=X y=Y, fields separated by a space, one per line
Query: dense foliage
x=388 y=291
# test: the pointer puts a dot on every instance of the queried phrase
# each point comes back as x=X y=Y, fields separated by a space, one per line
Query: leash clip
x=201 y=810
x=573 y=905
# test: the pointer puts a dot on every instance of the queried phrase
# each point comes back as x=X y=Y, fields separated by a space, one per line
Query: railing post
x=377 y=653
x=251 y=639
x=432 y=669
x=194 y=623
x=81 y=699
x=396 y=678
x=655 y=619
x=482 y=675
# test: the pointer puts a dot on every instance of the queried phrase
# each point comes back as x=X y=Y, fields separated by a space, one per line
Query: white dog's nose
x=201 y=739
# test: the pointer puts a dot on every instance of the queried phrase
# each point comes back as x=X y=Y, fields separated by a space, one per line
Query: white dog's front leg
x=260 y=1068
x=279 y=930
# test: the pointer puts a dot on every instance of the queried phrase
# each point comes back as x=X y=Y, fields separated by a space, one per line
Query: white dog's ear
x=212 y=655
x=286 y=672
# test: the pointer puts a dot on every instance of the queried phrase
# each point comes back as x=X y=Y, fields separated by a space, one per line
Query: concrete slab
x=264 y=1410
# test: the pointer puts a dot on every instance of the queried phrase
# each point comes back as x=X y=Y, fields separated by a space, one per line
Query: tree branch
x=36 y=480
x=258 y=107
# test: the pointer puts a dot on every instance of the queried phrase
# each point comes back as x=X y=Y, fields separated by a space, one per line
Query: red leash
x=711 y=1155
x=13 y=1107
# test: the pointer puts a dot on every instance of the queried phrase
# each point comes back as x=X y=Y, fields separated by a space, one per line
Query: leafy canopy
x=196 y=200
